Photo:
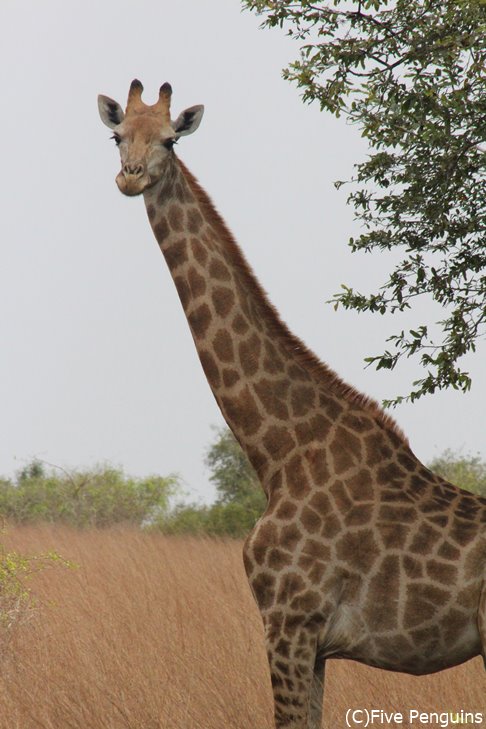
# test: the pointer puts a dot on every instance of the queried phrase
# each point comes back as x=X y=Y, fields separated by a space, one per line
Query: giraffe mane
x=306 y=357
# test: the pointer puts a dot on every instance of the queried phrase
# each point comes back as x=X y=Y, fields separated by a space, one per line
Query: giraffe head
x=145 y=135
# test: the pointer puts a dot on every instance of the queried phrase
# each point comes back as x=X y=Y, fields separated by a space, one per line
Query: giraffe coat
x=362 y=552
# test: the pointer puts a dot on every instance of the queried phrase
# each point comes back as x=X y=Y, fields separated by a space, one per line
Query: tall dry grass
x=151 y=632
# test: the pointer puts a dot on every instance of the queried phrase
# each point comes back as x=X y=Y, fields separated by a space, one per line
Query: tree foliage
x=411 y=75
x=468 y=472
x=231 y=471
x=101 y=497
x=234 y=519
x=105 y=496
x=240 y=501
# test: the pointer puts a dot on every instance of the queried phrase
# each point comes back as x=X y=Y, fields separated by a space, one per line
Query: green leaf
x=411 y=77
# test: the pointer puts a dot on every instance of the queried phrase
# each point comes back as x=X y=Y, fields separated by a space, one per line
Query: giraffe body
x=362 y=552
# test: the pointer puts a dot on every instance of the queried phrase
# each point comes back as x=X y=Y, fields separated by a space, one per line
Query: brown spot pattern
x=263 y=589
x=381 y=609
x=290 y=583
x=223 y=346
x=393 y=535
x=210 y=368
x=422 y=602
x=290 y=536
x=197 y=283
x=320 y=502
x=297 y=482
x=176 y=254
x=286 y=510
x=230 y=377
x=240 y=324
x=425 y=538
x=358 y=549
x=302 y=399
x=278 y=559
x=199 y=320
x=278 y=441
x=264 y=538
x=249 y=354
x=194 y=221
x=199 y=251
x=442 y=573
x=311 y=520
x=183 y=290
x=272 y=361
x=219 y=271
x=359 y=486
x=316 y=461
x=223 y=300
x=243 y=410
x=272 y=394
x=176 y=218
x=161 y=230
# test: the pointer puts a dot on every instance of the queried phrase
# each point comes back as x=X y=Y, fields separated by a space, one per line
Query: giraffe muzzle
x=132 y=179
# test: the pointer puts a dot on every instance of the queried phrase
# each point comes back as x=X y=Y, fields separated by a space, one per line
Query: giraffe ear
x=111 y=112
x=188 y=120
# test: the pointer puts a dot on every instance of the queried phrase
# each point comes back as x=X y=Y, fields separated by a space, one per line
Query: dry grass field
x=152 y=632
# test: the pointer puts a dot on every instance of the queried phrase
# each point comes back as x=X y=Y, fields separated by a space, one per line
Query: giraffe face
x=145 y=135
x=144 y=150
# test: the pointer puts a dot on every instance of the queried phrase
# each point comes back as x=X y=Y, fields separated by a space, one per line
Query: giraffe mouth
x=132 y=185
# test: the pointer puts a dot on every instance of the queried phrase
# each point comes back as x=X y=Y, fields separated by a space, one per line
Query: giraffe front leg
x=297 y=679
x=317 y=694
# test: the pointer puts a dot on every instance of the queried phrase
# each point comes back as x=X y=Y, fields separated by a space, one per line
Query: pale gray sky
x=97 y=361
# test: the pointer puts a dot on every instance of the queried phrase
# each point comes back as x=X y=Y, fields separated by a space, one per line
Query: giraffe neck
x=244 y=348
x=273 y=392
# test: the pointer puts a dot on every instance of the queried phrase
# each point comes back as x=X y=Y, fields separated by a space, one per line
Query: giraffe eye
x=169 y=143
x=117 y=139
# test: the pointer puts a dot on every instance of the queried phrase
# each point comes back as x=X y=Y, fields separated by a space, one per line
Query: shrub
x=102 y=497
x=240 y=497
x=232 y=519
x=17 y=604
x=468 y=472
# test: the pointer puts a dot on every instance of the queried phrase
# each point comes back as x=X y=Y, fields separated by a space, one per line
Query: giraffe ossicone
x=362 y=552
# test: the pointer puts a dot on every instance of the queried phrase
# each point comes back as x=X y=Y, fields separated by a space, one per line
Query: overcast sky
x=97 y=361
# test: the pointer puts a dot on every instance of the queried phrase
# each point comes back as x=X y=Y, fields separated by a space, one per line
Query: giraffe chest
x=359 y=598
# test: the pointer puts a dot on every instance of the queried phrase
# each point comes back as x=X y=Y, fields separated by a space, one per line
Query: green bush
x=17 y=604
x=231 y=471
x=240 y=498
x=232 y=519
x=97 y=498
x=468 y=472
x=106 y=496
x=185 y=519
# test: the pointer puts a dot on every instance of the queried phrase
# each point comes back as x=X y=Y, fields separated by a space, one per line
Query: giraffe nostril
x=135 y=170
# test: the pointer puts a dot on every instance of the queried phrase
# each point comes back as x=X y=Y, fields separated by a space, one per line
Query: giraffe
x=362 y=552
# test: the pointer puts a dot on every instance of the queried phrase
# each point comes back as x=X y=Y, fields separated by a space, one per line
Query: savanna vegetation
x=118 y=611
x=102 y=496
x=105 y=496
x=240 y=500
x=154 y=631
